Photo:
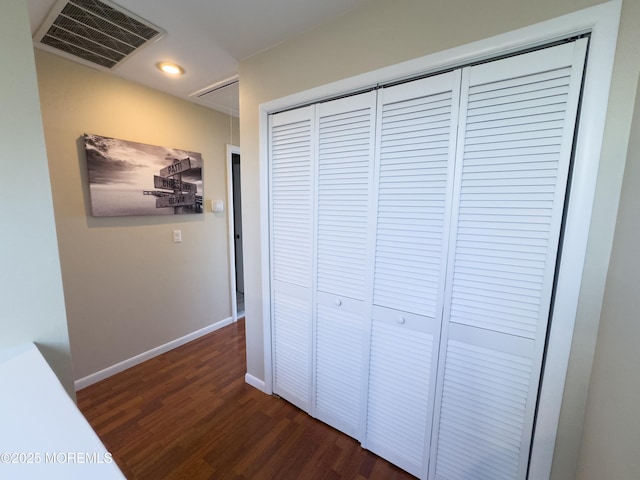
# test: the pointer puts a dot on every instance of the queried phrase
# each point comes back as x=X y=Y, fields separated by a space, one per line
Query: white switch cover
x=177 y=236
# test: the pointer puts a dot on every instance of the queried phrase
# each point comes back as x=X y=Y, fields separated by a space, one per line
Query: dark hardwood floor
x=188 y=414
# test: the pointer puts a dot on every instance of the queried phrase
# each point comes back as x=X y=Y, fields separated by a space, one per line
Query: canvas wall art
x=130 y=178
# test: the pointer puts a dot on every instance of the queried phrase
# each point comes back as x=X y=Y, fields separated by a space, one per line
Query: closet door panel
x=401 y=373
x=344 y=184
x=339 y=365
x=345 y=155
x=291 y=202
x=414 y=173
x=291 y=346
x=514 y=150
x=415 y=147
x=485 y=401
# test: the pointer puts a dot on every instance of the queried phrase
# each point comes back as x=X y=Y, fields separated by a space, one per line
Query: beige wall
x=30 y=284
x=387 y=32
x=611 y=435
x=128 y=287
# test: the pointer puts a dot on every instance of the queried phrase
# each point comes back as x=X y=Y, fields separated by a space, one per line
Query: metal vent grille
x=95 y=31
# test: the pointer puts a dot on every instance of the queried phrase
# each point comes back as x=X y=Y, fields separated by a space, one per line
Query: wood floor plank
x=188 y=414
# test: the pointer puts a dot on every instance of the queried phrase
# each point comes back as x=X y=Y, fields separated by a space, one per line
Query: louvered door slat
x=512 y=165
x=291 y=157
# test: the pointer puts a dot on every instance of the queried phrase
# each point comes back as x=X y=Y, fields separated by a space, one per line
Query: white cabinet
x=414 y=239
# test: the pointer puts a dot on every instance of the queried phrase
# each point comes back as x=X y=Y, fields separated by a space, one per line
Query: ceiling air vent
x=98 y=33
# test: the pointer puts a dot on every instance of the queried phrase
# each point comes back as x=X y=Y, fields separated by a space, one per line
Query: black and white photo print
x=130 y=178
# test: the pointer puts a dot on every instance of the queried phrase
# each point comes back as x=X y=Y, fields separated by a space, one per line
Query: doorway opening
x=235 y=232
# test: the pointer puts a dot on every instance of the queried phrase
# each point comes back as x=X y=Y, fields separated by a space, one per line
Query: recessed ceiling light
x=170 y=68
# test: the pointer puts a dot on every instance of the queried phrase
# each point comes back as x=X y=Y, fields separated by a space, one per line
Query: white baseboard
x=154 y=352
x=255 y=383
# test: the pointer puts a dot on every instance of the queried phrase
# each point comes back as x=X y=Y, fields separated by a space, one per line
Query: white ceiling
x=209 y=38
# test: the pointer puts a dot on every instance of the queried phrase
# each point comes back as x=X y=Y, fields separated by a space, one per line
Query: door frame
x=231 y=150
x=601 y=22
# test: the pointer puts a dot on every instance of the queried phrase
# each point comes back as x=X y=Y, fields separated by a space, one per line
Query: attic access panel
x=94 y=32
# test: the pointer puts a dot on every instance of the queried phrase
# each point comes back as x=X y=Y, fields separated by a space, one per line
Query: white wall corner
x=256 y=383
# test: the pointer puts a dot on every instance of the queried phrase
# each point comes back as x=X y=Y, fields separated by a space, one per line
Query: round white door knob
x=338 y=302
x=401 y=320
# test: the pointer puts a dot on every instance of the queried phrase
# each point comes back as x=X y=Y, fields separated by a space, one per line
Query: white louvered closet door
x=344 y=183
x=291 y=189
x=514 y=148
x=417 y=124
